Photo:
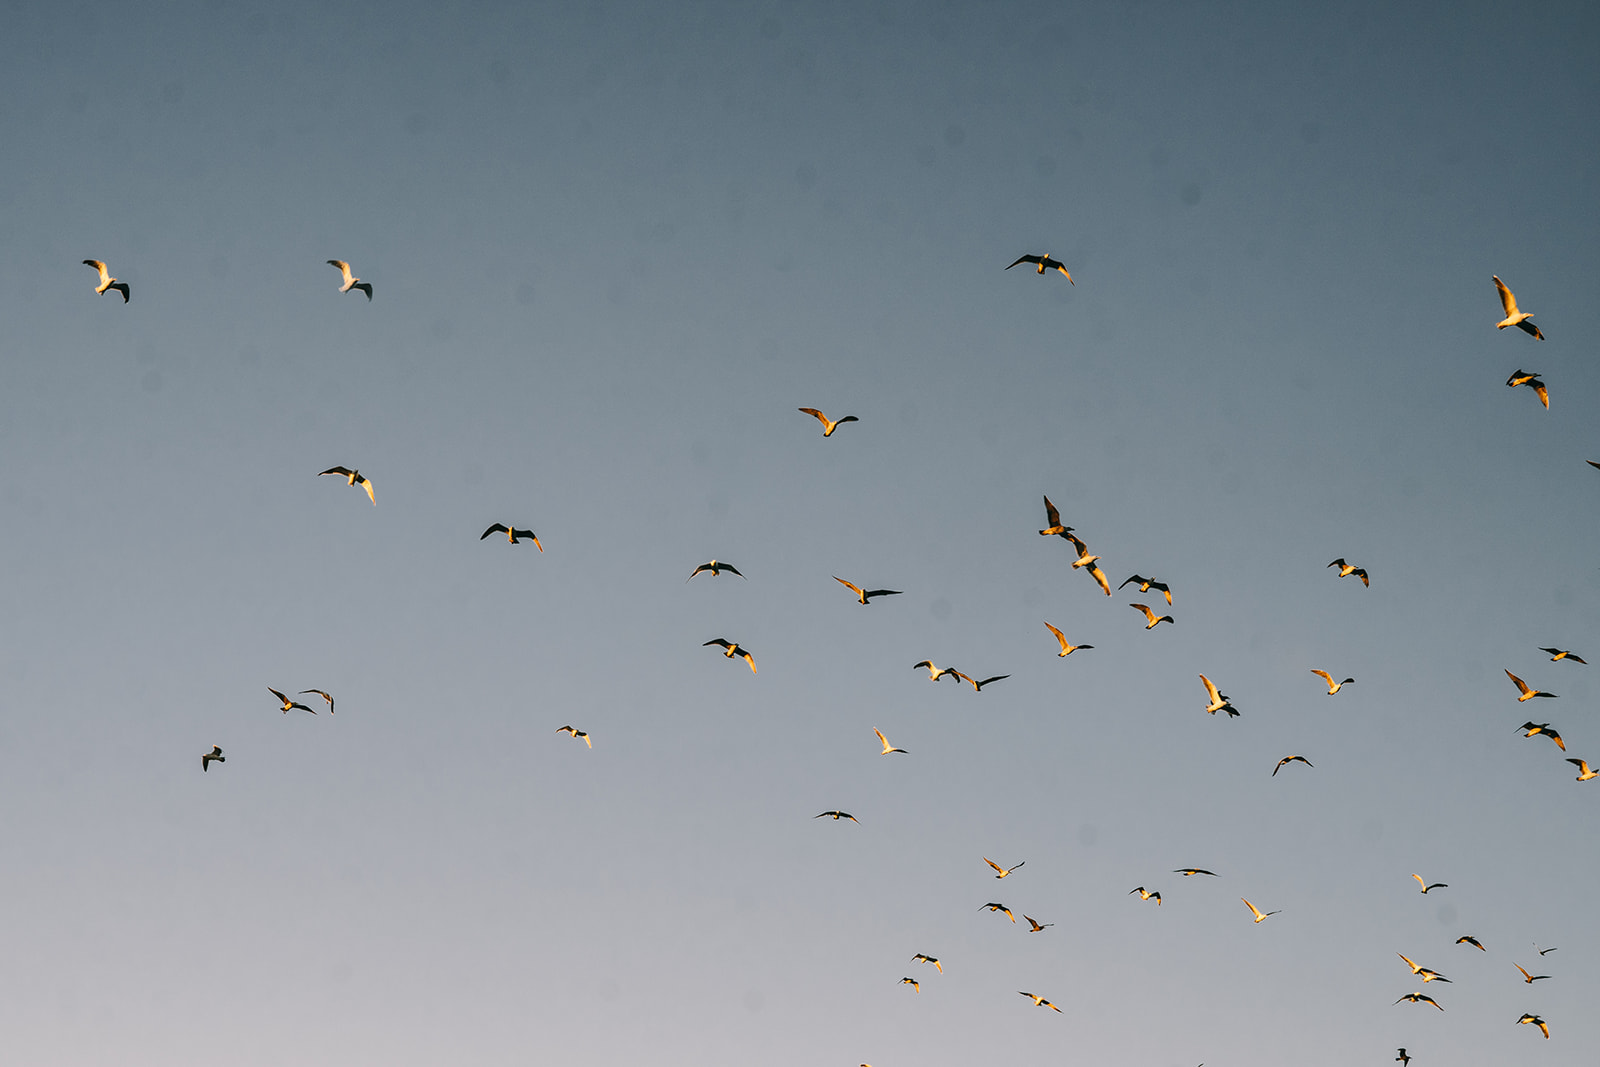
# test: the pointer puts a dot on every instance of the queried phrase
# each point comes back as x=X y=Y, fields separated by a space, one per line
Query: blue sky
x=613 y=249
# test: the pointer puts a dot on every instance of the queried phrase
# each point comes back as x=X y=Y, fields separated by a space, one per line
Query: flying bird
x=1346 y=570
x=106 y=280
x=1000 y=907
x=1189 y=872
x=912 y=982
x=1468 y=939
x=731 y=650
x=350 y=280
x=1516 y=318
x=1148 y=614
x=354 y=478
x=887 y=748
x=324 y=696
x=935 y=673
x=1053 y=518
x=1542 y=951
x=214 y=754
x=1561 y=653
x=1585 y=772
x=1147 y=894
x=288 y=705
x=1289 y=759
x=1522 y=687
x=1425 y=886
x=1333 y=686
x=1086 y=561
x=1256 y=912
x=1066 y=648
x=1147 y=584
x=1418 y=997
x=1543 y=728
x=1039 y=1001
x=715 y=567
x=1003 y=871
x=1534 y=1019
x=512 y=535
x=1218 y=702
x=1529 y=978
x=977 y=685
x=864 y=595
x=837 y=815
x=827 y=426
x=1403 y=1059
x=923 y=957
x=1427 y=974
x=1522 y=377
x=1045 y=263
x=577 y=734
x=1037 y=927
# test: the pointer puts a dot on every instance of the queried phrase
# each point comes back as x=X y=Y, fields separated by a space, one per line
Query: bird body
x=1557 y=654
x=1147 y=894
x=350 y=280
x=1526 y=692
x=1514 y=317
x=916 y=986
x=1188 y=872
x=106 y=280
x=837 y=815
x=289 y=705
x=354 y=478
x=1333 y=686
x=1427 y=974
x=864 y=595
x=1585 y=772
x=1044 y=263
x=715 y=567
x=1066 y=648
x=1532 y=381
x=214 y=755
x=731 y=650
x=1217 y=702
x=1402 y=1059
x=827 y=426
x=577 y=734
x=512 y=535
x=1151 y=616
x=1259 y=915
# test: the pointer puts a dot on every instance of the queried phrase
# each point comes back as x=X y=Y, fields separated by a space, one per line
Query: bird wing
x=1148 y=614
x=344 y=269
x=497 y=528
x=1211 y=689
x=344 y=472
x=717 y=641
x=748 y=658
x=1077 y=542
x=105 y=275
x=1507 y=301
x=1544 y=392
x=986 y=681
x=277 y=694
x=1530 y=329
x=1052 y=516
x=1326 y=677
x=122 y=287
x=1165 y=591
x=1061 y=637
x=1100 y=576
x=851 y=585
x=1027 y=259
x=366 y=483
x=882 y=592
x=819 y=416
x=993 y=864
x=1522 y=686
x=365 y=287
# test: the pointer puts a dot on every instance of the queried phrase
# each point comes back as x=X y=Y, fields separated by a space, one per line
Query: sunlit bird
x=1039 y=1001
x=1585 y=772
x=1218 y=702
x=715 y=567
x=214 y=755
x=1557 y=654
x=1427 y=974
x=1417 y=998
x=923 y=957
x=1147 y=894
x=1086 y=560
x=577 y=734
x=1529 y=978
x=999 y=907
x=864 y=595
x=1514 y=317
x=325 y=696
x=1426 y=886
x=731 y=650
x=978 y=685
x=1402 y=1059
x=1287 y=760
x=827 y=426
x=354 y=478
x=1035 y=926
x=1523 y=688
x=1053 y=518
x=1522 y=377
x=1151 y=616
x=912 y=982
x=1044 y=263
x=1468 y=939
x=935 y=673
x=1147 y=584
x=1346 y=570
x=1534 y=1019
x=1189 y=872
x=1067 y=648
x=106 y=280
x=289 y=705
x=1543 y=728
x=350 y=280
x=512 y=535
x=837 y=815
x=887 y=748
x=1333 y=686
x=1001 y=871
x=1257 y=912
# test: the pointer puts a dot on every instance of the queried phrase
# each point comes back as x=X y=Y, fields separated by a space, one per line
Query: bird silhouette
x=350 y=280
x=1289 y=759
x=513 y=534
x=1527 y=693
x=827 y=426
x=289 y=705
x=1557 y=654
x=864 y=595
x=215 y=755
x=731 y=650
x=1259 y=915
x=577 y=734
x=1543 y=728
x=354 y=478
x=1534 y=1019
x=1039 y=1001
x=324 y=696
x=715 y=567
x=1516 y=318
x=1347 y=569
x=1002 y=871
x=1044 y=263
x=1147 y=584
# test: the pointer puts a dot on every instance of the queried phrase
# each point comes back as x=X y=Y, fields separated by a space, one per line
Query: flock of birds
x=1083 y=560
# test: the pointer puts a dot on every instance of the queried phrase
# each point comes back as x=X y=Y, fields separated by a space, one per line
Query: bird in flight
x=1000 y=907
x=1053 y=518
x=715 y=567
x=1188 y=872
x=1534 y=1019
x=1333 y=686
x=1427 y=974
x=864 y=595
x=512 y=535
x=321 y=694
x=1585 y=772
x=1037 y=927
x=923 y=957
x=1542 y=951
x=1150 y=615
x=1218 y=702
x=1003 y=871
x=1529 y=978
x=887 y=748
x=1289 y=759
x=1522 y=688
x=1066 y=648
x=1561 y=653
x=1543 y=728
x=354 y=478
x=350 y=280
x=1039 y=1000
x=827 y=426
x=288 y=705
x=1346 y=570
x=1516 y=318
x=731 y=650
x=214 y=754
x=837 y=815
x=1425 y=886
x=1045 y=263
x=1147 y=894
x=1468 y=939
x=1522 y=377
x=935 y=673
x=577 y=734
x=912 y=982
x=1418 y=997
x=1147 y=584
x=1403 y=1059
x=106 y=280
x=1256 y=912
x=977 y=685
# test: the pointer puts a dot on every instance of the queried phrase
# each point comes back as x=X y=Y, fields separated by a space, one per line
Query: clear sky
x=613 y=247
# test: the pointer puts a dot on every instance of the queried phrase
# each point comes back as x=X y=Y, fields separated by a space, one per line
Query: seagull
x=732 y=650
x=837 y=815
x=1152 y=616
x=1425 y=886
x=1254 y=911
x=1529 y=978
x=214 y=754
x=1037 y=926
x=1346 y=570
x=912 y=982
x=1045 y=263
x=1086 y=559
x=1000 y=907
x=1522 y=687
x=923 y=957
x=1333 y=686
x=321 y=694
x=827 y=426
x=1144 y=894
x=1522 y=377
x=1039 y=1001
x=1561 y=653
x=354 y=478
x=1516 y=318
x=977 y=685
x=715 y=567
x=935 y=673
x=887 y=748
x=287 y=703
x=1470 y=940
x=512 y=535
x=1289 y=759
x=1543 y=951
x=577 y=734
x=1425 y=973
x=1543 y=728
x=1585 y=772
x=1188 y=872
x=1003 y=870
x=1053 y=517
x=350 y=280
x=1415 y=997
x=864 y=595
x=1403 y=1059
x=1218 y=701
x=1066 y=648
x=106 y=280
x=1147 y=584
x=1534 y=1019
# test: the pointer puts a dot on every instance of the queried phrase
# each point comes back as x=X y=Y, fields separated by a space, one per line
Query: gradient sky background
x=613 y=248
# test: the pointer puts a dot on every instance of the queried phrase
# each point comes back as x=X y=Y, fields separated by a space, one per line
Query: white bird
x=1002 y=871
x=935 y=673
x=321 y=694
x=1256 y=912
x=354 y=478
x=1148 y=614
x=1289 y=759
x=106 y=280
x=214 y=754
x=715 y=566
x=1066 y=648
x=1522 y=377
x=887 y=748
x=1522 y=688
x=827 y=426
x=1045 y=263
x=1534 y=1019
x=1218 y=702
x=1516 y=318
x=577 y=734
x=350 y=280
x=1039 y=1001
x=1585 y=772
x=1053 y=519
x=1347 y=569
x=1425 y=973
x=731 y=650
x=864 y=595
x=1333 y=686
